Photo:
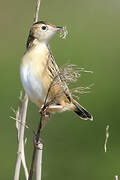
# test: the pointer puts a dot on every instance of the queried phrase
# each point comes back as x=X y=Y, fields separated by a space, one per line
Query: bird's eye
x=44 y=28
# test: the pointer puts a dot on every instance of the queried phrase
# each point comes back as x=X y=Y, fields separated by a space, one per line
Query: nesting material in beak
x=58 y=28
x=63 y=32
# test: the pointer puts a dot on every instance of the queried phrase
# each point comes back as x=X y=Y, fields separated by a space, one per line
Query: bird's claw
x=43 y=110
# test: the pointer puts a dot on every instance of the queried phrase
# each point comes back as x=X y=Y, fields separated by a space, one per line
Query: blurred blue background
x=73 y=148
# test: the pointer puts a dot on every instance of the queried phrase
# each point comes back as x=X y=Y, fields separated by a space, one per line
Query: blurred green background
x=73 y=148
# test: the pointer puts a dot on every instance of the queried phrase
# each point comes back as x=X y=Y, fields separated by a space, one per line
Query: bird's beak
x=58 y=28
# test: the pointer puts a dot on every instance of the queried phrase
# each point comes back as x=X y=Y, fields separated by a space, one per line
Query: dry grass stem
x=36 y=143
x=116 y=177
x=40 y=123
x=68 y=73
x=25 y=125
x=80 y=90
x=21 y=116
x=106 y=139
x=37 y=10
x=39 y=160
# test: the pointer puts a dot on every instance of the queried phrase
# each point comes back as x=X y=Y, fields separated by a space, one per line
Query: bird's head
x=43 y=31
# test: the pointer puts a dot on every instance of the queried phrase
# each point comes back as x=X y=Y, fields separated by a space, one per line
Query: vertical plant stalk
x=39 y=161
x=36 y=139
x=106 y=139
x=116 y=177
x=37 y=144
x=20 y=123
x=37 y=10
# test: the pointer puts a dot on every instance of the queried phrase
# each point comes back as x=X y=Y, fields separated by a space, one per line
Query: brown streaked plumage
x=38 y=70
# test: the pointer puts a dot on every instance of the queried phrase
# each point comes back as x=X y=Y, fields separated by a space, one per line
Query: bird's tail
x=80 y=111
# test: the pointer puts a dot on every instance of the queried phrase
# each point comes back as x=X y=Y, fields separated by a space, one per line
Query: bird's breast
x=34 y=76
x=34 y=88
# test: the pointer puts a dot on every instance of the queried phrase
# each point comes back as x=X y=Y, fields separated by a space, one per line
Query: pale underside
x=36 y=76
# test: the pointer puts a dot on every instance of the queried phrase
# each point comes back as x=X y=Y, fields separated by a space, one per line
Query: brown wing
x=59 y=88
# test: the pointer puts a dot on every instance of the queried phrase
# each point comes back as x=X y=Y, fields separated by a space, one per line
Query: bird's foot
x=43 y=110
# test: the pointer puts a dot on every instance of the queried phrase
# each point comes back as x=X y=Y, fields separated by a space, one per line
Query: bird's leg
x=43 y=112
x=45 y=120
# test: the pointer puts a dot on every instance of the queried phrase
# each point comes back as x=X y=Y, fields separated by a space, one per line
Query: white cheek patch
x=49 y=34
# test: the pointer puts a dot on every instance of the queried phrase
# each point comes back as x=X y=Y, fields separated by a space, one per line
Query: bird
x=38 y=69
